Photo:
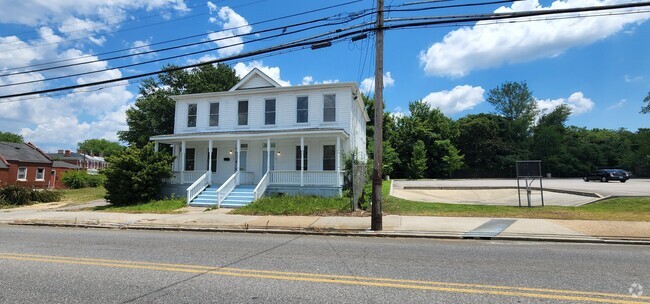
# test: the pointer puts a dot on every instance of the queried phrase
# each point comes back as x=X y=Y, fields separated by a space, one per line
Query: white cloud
x=459 y=99
x=617 y=105
x=232 y=25
x=368 y=85
x=307 y=80
x=75 y=28
x=139 y=47
x=629 y=78
x=577 y=102
x=484 y=46
x=242 y=69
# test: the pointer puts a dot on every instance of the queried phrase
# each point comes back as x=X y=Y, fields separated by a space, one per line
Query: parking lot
x=557 y=191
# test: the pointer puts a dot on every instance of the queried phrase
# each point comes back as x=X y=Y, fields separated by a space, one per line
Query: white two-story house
x=260 y=137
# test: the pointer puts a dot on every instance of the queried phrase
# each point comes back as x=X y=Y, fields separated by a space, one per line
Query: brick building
x=25 y=165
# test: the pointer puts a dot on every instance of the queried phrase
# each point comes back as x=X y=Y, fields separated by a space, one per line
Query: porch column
x=338 y=160
x=238 y=159
x=210 y=161
x=268 y=155
x=155 y=146
x=302 y=161
x=183 y=147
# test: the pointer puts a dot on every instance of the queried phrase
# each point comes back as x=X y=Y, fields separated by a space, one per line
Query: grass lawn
x=83 y=195
x=296 y=205
x=166 y=206
x=615 y=209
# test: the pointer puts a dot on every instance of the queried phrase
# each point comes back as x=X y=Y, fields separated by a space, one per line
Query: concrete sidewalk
x=197 y=219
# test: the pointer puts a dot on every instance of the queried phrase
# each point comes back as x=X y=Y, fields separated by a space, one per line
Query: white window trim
x=304 y=122
x=248 y=113
x=275 y=112
x=196 y=116
x=210 y=114
x=18 y=174
x=43 y=177
x=335 y=108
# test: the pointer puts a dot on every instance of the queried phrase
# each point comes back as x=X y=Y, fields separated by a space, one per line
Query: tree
x=453 y=160
x=136 y=175
x=548 y=142
x=418 y=163
x=515 y=102
x=390 y=158
x=11 y=137
x=646 y=109
x=99 y=146
x=153 y=111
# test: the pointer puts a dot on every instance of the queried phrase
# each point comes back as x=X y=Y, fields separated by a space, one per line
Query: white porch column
x=338 y=160
x=183 y=147
x=155 y=146
x=268 y=155
x=210 y=161
x=238 y=159
x=302 y=161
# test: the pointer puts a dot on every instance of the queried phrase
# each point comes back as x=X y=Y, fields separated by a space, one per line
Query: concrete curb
x=334 y=232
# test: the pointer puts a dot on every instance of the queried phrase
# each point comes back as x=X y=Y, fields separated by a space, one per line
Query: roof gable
x=22 y=152
x=255 y=79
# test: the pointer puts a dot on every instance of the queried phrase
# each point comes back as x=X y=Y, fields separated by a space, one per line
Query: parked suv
x=605 y=175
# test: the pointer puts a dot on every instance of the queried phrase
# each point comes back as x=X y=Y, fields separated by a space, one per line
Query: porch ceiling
x=250 y=134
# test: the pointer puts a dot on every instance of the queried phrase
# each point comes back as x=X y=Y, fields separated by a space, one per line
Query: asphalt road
x=57 y=265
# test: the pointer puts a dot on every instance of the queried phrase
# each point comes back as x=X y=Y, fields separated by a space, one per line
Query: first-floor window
x=329 y=157
x=40 y=174
x=298 y=158
x=22 y=173
x=189 y=159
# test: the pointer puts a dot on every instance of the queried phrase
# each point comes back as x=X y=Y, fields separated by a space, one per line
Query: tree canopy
x=153 y=111
x=99 y=146
x=646 y=109
x=11 y=137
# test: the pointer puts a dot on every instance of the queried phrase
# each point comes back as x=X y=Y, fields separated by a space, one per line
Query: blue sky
x=598 y=65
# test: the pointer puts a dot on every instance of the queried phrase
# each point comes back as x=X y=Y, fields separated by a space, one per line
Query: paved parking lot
x=495 y=192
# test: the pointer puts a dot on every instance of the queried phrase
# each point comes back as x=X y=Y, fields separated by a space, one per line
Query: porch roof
x=249 y=134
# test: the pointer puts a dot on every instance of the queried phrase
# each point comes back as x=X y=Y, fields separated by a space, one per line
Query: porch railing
x=311 y=178
x=261 y=186
x=198 y=186
x=187 y=176
x=226 y=188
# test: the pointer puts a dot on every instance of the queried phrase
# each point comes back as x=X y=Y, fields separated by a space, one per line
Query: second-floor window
x=269 y=111
x=191 y=115
x=329 y=107
x=189 y=159
x=302 y=109
x=298 y=158
x=242 y=113
x=214 y=114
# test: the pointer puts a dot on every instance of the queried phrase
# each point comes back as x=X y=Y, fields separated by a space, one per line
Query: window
x=269 y=111
x=214 y=114
x=191 y=115
x=22 y=174
x=242 y=111
x=305 y=154
x=213 y=160
x=302 y=109
x=189 y=159
x=329 y=107
x=40 y=174
x=329 y=157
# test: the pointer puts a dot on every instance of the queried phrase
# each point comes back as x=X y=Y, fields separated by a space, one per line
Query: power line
x=305 y=43
x=173 y=40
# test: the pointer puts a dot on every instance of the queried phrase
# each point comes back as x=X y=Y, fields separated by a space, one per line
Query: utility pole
x=376 y=218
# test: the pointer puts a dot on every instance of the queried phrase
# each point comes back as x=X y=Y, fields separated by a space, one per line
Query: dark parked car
x=605 y=175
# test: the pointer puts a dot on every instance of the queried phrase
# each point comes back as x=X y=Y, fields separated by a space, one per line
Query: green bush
x=15 y=195
x=46 y=196
x=95 y=180
x=75 y=179
x=136 y=175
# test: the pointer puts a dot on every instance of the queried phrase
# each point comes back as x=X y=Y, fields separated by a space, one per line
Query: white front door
x=265 y=161
x=242 y=157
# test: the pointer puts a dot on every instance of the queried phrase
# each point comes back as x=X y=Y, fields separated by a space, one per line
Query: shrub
x=136 y=175
x=75 y=179
x=46 y=196
x=95 y=180
x=16 y=195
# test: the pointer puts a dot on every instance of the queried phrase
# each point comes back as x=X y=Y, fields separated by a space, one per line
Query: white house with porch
x=260 y=137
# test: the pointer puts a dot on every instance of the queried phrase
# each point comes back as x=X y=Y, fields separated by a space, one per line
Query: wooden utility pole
x=376 y=218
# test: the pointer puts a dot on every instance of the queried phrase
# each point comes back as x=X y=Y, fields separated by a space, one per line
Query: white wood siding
x=254 y=82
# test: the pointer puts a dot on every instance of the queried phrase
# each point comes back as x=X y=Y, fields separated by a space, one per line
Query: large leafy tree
x=515 y=102
x=418 y=164
x=11 y=137
x=153 y=111
x=390 y=159
x=646 y=109
x=548 y=141
x=99 y=146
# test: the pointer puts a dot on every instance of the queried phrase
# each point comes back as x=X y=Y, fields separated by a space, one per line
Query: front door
x=242 y=157
x=265 y=161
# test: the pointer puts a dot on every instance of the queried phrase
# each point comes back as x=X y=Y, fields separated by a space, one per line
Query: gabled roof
x=256 y=74
x=21 y=152
x=62 y=164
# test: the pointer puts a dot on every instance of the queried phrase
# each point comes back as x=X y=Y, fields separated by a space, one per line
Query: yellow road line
x=348 y=280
